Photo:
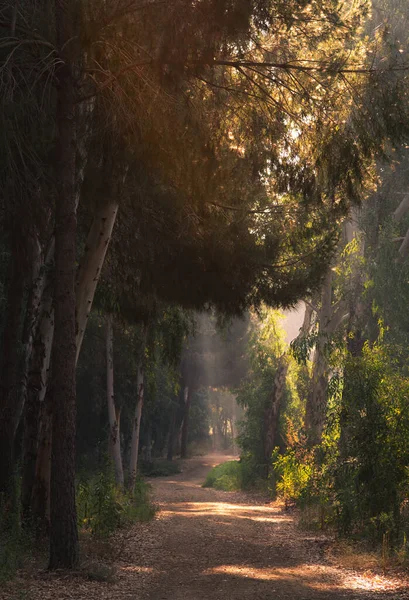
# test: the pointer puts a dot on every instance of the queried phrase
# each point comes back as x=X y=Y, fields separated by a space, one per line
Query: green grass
x=227 y=476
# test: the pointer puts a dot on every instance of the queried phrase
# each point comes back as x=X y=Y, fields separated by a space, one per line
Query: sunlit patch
x=372 y=582
x=312 y=576
x=264 y=514
x=137 y=569
x=252 y=573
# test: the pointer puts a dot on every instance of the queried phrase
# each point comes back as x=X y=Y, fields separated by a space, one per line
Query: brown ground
x=206 y=544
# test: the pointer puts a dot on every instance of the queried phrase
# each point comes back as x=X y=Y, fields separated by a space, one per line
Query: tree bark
x=91 y=265
x=38 y=376
x=148 y=449
x=185 y=425
x=114 y=423
x=272 y=412
x=402 y=209
x=133 y=465
x=31 y=321
x=64 y=549
x=316 y=405
x=9 y=374
x=171 y=438
x=39 y=502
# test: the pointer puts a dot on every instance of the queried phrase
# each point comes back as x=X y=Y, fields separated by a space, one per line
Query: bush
x=226 y=476
x=102 y=507
x=293 y=476
x=372 y=478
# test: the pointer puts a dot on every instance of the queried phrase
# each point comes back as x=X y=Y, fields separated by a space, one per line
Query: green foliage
x=266 y=346
x=358 y=476
x=372 y=478
x=293 y=475
x=227 y=476
x=102 y=507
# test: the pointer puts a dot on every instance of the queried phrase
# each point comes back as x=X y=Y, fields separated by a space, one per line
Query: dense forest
x=173 y=175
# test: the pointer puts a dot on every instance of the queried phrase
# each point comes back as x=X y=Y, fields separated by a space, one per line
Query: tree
x=63 y=517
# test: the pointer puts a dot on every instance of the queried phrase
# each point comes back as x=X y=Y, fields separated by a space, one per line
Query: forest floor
x=206 y=544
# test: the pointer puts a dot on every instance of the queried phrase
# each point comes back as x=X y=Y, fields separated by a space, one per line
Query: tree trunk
x=317 y=396
x=272 y=412
x=114 y=431
x=148 y=450
x=64 y=550
x=315 y=411
x=185 y=425
x=40 y=490
x=9 y=374
x=133 y=465
x=91 y=266
x=171 y=438
x=38 y=281
x=38 y=374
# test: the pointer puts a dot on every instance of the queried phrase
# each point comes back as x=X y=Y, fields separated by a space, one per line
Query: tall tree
x=63 y=517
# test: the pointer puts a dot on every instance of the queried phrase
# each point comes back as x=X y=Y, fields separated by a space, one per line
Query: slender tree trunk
x=317 y=396
x=37 y=431
x=64 y=550
x=185 y=425
x=148 y=451
x=233 y=426
x=91 y=265
x=31 y=320
x=114 y=431
x=272 y=412
x=38 y=375
x=133 y=465
x=171 y=438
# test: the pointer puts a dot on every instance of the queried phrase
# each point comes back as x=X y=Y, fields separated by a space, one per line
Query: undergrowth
x=15 y=542
x=102 y=507
x=232 y=476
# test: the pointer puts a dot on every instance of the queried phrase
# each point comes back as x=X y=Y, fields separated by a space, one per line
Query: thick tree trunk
x=185 y=425
x=64 y=550
x=272 y=412
x=40 y=490
x=114 y=431
x=9 y=375
x=91 y=266
x=133 y=465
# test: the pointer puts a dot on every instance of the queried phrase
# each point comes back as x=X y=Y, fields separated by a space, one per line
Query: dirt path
x=212 y=545
x=223 y=545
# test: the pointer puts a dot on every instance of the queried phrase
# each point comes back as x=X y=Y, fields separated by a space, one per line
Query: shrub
x=293 y=476
x=102 y=507
x=226 y=476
